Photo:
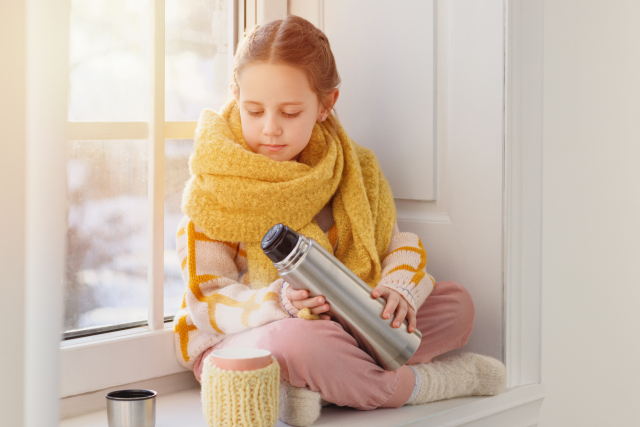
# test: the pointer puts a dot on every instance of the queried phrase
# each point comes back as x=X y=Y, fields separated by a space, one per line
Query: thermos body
x=309 y=266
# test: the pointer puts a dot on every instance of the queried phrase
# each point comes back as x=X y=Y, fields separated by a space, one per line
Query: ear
x=334 y=93
x=233 y=90
x=332 y=98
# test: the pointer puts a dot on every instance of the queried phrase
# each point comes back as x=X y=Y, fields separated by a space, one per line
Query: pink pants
x=322 y=356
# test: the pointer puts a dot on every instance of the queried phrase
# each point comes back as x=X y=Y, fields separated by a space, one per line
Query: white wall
x=591 y=214
x=33 y=120
x=12 y=212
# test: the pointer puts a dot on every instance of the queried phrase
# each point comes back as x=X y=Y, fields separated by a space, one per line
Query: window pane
x=107 y=243
x=109 y=69
x=196 y=57
x=176 y=165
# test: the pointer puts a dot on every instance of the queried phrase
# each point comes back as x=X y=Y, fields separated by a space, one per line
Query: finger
x=297 y=299
x=392 y=303
x=411 y=319
x=401 y=313
x=297 y=294
x=309 y=303
x=314 y=302
x=302 y=294
x=290 y=293
x=320 y=309
x=378 y=292
x=412 y=322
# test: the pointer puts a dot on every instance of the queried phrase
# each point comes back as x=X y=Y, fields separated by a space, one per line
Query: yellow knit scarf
x=236 y=195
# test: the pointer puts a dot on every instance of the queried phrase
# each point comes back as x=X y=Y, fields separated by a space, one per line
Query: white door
x=423 y=86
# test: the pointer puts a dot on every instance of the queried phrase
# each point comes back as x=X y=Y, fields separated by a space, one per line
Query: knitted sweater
x=219 y=300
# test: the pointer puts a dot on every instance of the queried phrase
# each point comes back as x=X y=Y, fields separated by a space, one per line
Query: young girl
x=276 y=153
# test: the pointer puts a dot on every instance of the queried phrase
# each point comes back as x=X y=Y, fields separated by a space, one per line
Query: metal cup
x=131 y=408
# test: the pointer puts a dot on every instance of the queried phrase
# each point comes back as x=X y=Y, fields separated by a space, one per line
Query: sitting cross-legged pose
x=277 y=153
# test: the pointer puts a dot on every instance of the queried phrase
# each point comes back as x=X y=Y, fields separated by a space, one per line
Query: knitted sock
x=416 y=386
x=466 y=374
x=299 y=406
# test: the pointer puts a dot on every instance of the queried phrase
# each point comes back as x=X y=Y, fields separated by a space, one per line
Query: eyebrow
x=284 y=103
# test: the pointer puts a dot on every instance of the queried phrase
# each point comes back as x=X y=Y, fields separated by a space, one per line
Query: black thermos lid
x=279 y=242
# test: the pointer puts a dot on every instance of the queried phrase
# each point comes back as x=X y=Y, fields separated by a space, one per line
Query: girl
x=276 y=153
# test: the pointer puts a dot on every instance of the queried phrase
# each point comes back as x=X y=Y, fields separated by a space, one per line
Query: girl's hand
x=395 y=302
x=300 y=300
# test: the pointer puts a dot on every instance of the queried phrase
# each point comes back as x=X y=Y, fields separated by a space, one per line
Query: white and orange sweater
x=219 y=300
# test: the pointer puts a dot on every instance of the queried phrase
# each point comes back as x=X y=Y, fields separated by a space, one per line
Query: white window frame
x=144 y=353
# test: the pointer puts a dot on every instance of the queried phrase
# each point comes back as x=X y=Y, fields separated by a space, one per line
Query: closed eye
x=289 y=116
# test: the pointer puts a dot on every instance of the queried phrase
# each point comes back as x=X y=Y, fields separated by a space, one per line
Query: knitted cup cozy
x=240 y=398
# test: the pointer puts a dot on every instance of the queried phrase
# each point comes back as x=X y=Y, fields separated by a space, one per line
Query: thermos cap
x=279 y=242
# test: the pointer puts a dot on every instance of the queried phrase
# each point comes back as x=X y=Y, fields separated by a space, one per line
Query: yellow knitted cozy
x=236 y=195
x=240 y=398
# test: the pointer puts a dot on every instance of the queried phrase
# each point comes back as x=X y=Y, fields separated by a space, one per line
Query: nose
x=271 y=126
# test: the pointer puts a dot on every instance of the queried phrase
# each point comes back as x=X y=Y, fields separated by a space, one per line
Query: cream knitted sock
x=299 y=406
x=465 y=374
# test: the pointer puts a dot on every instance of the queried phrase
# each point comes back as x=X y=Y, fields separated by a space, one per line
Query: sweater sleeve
x=217 y=300
x=404 y=268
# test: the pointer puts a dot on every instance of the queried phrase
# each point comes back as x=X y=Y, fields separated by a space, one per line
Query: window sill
x=117 y=358
x=515 y=407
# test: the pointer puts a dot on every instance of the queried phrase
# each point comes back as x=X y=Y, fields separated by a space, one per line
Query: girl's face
x=278 y=110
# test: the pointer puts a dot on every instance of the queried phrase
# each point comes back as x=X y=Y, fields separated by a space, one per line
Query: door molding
x=523 y=191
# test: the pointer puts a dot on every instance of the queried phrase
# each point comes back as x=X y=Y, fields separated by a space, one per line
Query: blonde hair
x=292 y=41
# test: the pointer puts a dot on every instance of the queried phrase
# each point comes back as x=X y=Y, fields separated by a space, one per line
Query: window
x=141 y=71
x=112 y=240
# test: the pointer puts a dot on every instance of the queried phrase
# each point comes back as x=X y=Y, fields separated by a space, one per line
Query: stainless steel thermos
x=305 y=264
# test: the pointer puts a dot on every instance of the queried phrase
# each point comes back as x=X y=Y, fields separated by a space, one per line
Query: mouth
x=274 y=147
